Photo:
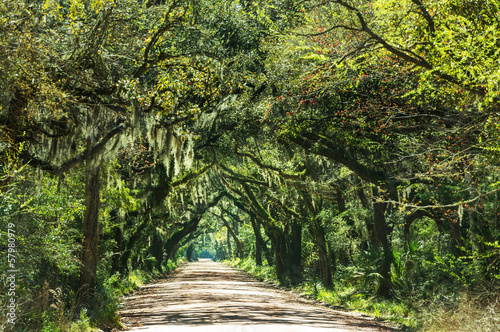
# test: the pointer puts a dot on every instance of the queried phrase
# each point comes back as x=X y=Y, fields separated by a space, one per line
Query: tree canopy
x=346 y=141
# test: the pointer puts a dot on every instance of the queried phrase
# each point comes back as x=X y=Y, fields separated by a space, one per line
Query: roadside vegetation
x=350 y=146
x=463 y=311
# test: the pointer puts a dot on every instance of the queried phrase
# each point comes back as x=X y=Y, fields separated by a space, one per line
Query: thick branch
x=324 y=147
x=262 y=165
x=75 y=161
x=405 y=53
x=192 y=175
x=440 y=206
x=154 y=39
x=426 y=15
x=241 y=179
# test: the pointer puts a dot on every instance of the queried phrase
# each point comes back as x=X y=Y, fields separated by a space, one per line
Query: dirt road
x=208 y=296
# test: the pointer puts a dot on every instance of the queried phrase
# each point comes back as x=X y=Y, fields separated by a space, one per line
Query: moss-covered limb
x=240 y=178
x=176 y=121
x=156 y=195
x=186 y=229
x=258 y=209
x=261 y=164
x=190 y=237
x=248 y=197
x=424 y=59
x=71 y=163
x=229 y=186
x=130 y=244
x=192 y=175
x=322 y=146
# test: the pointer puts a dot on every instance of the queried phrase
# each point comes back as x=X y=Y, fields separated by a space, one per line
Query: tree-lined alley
x=348 y=143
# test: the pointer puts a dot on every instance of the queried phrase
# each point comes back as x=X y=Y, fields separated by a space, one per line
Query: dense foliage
x=349 y=146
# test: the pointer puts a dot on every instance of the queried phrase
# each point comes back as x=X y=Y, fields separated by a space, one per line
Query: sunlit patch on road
x=208 y=296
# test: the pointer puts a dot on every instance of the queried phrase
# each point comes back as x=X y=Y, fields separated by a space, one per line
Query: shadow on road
x=209 y=296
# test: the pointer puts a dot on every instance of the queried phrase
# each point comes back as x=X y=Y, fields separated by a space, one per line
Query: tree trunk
x=473 y=231
x=333 y=258
x=497 y=212
x=228 y=240
x=295 y=254
x=280 y=256
x=352 y=234
x=287 y=254
x=318 y=234
x=258 y=238
x=156 y=250
x=370 y=229
x=384 y=268
x=189 y=252
x=230 y=231
x=130 y=244
x=258 y=254
x=90 y=226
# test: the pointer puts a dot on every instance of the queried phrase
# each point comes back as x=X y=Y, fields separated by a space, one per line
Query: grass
x=262 y=273
x=469 y=313
x=341 y=297
x=348 y=297
x=465 y=312
x=113 y=290
x=54 y=311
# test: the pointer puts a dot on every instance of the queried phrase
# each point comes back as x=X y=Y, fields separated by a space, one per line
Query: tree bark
x=384 y=268
x=473 y=232
x=318 y=234
x=90 y=226
x=280 y=256
x=232 y=233
x=333 y=258
x=228 y=240
x=325 y=272
x=295 y=254
x=258 y=238
x=156 y=250
x=497 y=212
x=258 y=253
x=130 y=244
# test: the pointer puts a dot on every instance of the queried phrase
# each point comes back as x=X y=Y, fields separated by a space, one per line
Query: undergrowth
x=61 y=310
x=262 y=273
x=341 y=296
x=463 y=312
x=113 y=289
x=469 y=312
